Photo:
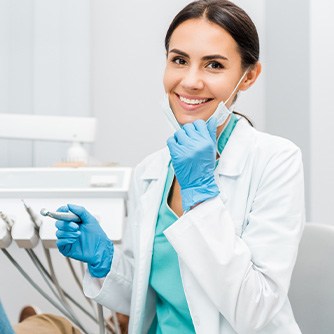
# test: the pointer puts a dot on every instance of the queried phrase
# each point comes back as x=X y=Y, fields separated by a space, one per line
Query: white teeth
x=183 y=99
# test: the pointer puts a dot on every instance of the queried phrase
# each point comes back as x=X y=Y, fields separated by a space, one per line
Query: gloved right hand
x=85 y=241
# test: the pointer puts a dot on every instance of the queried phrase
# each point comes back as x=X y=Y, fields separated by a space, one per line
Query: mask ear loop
x=231 y=108
x=237 y=86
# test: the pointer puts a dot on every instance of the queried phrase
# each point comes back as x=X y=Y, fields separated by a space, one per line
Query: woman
x=215 y=219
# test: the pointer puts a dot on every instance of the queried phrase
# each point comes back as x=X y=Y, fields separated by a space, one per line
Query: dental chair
x=311 y=291
x=5 y=327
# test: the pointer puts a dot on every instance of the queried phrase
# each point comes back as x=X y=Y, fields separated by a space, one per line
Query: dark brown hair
x=231 y=18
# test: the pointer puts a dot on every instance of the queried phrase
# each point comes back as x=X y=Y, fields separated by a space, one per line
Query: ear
x=251 y=76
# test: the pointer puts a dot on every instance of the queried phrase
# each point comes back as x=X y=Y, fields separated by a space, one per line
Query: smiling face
x=203 y=67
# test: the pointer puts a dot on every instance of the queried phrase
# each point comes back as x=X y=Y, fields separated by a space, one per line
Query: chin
x=186 y=119
x=190 y=119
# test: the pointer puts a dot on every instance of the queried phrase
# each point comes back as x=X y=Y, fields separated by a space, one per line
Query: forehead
x=202 y=36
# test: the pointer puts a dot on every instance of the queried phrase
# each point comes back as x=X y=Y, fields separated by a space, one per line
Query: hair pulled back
x=231 y=18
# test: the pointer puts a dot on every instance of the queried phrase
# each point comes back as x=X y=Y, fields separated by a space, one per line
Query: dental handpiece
x=33 y=217
x=67 y=216
x=7 y=220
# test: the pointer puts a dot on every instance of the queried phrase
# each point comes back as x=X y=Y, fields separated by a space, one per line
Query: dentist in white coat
x=215 y=218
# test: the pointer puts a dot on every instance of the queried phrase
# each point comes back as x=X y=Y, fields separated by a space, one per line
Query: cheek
x=166 y=81
x=220 y=87
x=170 y=79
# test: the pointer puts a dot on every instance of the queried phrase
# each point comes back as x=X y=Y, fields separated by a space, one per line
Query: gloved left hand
x=193 y=153
x=85 y=241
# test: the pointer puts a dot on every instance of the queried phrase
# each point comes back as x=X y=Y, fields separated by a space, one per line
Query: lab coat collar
x=157 y=165
x=234 y=156
x=232 y=160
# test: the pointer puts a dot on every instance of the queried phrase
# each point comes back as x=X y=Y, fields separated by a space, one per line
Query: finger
x=173 y=146
x=63 y=208
x=181 y=137
x=64 y=242
x=171 y=143
x=201 y=127
x=67 y=226
x=212 y=128
x=67 y=235
x=80 y=211
x=189 y=129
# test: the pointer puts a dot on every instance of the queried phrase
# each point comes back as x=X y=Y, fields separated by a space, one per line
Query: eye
x=178 y=61
x=215 y=65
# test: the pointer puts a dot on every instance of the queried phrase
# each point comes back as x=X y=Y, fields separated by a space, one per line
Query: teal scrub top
x=172 y=311
x=5 y=326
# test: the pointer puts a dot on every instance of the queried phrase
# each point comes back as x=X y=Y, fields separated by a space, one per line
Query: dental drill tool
x=7 y=220
x=6 y=224
x=33 y=217
x=67 y=216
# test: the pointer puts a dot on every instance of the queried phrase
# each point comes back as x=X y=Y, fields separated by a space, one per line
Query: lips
x=193 y=100
x=191 y=103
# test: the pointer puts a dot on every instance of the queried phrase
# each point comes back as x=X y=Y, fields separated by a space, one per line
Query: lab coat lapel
x=154 y=178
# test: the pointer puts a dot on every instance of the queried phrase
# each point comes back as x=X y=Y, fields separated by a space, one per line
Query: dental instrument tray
x=102 y=191
x=64 y=182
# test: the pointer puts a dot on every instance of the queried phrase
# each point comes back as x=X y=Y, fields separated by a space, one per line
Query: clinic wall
x=16 y=59
x=322 y=111
x=128 y=60
x=288 y=67
x=45 y=70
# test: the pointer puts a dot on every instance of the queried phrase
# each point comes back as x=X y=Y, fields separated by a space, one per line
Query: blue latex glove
x=85 y=241
x=193 y=153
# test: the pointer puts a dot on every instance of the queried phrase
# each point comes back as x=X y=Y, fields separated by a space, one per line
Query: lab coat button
x=196 y=321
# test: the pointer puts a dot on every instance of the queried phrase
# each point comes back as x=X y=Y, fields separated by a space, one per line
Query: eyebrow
x=209 y=57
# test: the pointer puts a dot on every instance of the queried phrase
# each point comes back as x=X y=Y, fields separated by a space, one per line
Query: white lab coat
x=236 y=251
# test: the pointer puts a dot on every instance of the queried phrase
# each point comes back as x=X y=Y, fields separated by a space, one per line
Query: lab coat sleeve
x=114 y=291
x=247 y=277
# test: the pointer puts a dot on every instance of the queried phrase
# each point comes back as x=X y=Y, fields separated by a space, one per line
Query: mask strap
x=237 y=86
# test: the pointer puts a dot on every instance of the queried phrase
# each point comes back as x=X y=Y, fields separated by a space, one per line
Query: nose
x=192 y=80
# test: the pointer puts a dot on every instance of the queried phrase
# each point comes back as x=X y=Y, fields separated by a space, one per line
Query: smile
x=193 y=101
